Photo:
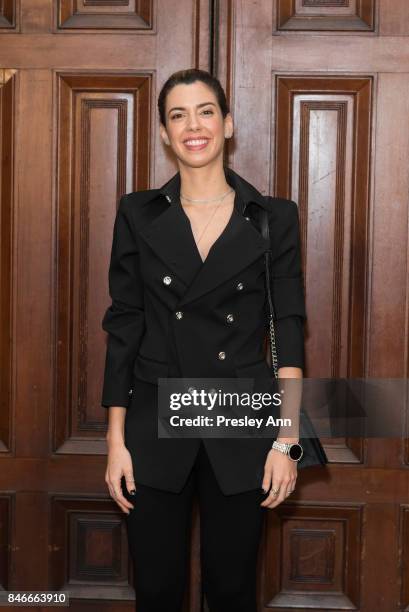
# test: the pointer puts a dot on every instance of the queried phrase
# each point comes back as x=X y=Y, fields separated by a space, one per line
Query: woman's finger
x=112 y=494
x=267 y=478
x=130 y=482
x=281 y=496
x=290 y=488
x=118 y=496
x=121 y=503
x=274 y=493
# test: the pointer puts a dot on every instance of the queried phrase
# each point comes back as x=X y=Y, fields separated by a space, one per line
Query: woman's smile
x=196 y=144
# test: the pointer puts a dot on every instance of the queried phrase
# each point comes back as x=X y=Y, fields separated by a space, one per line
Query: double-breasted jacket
x=173 y=315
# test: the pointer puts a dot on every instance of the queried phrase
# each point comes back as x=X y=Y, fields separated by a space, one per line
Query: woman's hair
x=191 y=75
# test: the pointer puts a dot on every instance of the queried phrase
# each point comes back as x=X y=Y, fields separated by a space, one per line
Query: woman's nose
x=193 y=122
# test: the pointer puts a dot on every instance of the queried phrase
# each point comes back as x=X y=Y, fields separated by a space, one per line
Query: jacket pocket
x=149 y=369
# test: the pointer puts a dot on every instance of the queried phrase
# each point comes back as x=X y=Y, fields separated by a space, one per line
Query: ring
x=275 y=491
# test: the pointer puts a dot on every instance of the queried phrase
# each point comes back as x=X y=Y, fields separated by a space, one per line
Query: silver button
x=179 y=314
x=247 y=218
x=167 y=280
x=230 y=318
x=168 y=198
x=222 y=355
x=239 y=286
x=130 y=392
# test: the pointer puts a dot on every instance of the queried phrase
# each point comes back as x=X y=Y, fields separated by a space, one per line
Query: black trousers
x=158 y=539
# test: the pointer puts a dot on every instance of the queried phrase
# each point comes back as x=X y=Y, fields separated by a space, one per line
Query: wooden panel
x=322 y=153
x=89 y=551
x=332 y=15
x=105 y=15
x=104 y=149
x=7 y=128
x=9 y=10
x=317 y=564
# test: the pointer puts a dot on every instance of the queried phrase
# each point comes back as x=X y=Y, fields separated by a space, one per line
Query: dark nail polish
x=132 y=492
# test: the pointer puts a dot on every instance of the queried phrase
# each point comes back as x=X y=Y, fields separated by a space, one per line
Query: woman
x=188 y=300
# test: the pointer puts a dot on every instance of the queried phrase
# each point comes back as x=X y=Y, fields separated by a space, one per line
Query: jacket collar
x=246 y=193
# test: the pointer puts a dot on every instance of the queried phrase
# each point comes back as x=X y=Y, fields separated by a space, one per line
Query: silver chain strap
x=267 y=255
x=273 y=347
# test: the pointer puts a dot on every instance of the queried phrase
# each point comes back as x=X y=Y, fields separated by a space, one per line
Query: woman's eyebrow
x=197 y=106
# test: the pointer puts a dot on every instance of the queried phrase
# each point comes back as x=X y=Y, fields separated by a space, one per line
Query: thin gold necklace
x=214 y=212
x=211 y=200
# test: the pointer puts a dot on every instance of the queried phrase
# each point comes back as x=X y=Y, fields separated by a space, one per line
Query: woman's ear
x=164 y=135
x=228 y=126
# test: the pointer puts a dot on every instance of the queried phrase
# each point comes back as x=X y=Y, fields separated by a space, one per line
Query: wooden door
x=320 y=101
x=318 y=92
x=79 y=127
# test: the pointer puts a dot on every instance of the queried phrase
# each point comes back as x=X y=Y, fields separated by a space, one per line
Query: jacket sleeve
x=288 y=286
x=124 y=320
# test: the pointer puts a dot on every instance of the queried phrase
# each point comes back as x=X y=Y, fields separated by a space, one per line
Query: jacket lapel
x=170 y=236
x=236 y=248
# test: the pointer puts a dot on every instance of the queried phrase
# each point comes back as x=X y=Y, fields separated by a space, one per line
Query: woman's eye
x=177 y=115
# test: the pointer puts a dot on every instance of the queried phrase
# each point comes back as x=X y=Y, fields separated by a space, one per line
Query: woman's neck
x=204 y=183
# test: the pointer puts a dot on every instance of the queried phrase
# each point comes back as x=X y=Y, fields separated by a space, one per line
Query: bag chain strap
x=267 y=255
x=273 y=347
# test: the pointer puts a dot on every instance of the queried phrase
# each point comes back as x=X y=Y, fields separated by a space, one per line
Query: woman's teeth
x=196 y=144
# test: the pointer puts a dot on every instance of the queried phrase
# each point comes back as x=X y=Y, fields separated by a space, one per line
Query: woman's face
x=195 y=128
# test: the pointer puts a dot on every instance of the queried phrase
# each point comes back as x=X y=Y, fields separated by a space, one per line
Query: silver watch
x=293 y=450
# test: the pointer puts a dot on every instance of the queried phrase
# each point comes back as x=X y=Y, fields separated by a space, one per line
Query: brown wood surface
x=319 y=92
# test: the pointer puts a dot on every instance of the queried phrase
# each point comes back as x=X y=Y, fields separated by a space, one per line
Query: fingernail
x=264 y=490
x=132 y=492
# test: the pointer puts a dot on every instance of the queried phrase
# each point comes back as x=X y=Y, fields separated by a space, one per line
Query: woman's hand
x=119 y=464
x=280 y=472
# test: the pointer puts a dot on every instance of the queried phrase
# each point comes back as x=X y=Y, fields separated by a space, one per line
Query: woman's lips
x=196 y=147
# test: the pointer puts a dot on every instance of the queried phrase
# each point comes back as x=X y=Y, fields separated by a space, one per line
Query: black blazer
x=173 y=315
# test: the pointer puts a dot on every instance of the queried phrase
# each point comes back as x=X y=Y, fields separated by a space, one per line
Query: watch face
x=295 y=452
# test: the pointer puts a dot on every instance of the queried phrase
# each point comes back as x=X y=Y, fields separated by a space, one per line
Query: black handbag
x=314 y=453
